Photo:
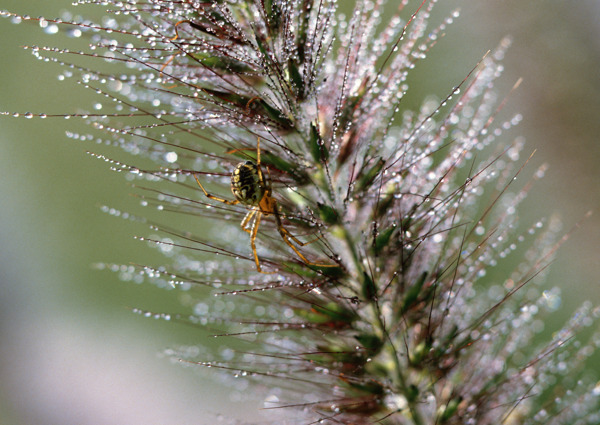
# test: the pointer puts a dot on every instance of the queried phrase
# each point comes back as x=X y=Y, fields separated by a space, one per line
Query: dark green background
x=70 y=350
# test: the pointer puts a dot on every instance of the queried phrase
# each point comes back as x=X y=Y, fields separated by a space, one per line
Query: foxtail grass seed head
x=352 y=253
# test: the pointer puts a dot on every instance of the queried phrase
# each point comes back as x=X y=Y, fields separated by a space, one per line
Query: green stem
x=404 y=388
x=351 y=245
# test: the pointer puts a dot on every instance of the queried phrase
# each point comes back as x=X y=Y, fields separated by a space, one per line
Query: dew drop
x=51 y=29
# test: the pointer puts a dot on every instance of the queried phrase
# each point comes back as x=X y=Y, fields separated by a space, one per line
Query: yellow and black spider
x=249 y=186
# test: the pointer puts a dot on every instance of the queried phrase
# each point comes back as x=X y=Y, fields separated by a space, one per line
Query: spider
x=250 y=188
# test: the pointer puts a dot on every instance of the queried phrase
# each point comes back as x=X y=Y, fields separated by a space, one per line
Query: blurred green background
x=71 y=352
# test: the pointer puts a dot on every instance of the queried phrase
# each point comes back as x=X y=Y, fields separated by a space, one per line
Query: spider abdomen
x=247 y=184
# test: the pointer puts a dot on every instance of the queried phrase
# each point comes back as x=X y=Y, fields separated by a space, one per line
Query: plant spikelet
x=373 y=278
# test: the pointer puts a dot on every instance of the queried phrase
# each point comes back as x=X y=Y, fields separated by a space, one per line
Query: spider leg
x=246 y=220
x=296 y=240
x=258 y=151
x=177 y=31
x=288 y=238
x=213 y=197
x=254 y=232
x=245 y=149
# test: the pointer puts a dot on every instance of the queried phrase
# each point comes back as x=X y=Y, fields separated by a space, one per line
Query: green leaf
x=449 y=409
x=274 y=13
x=382 y=239
x=413 y=292
x=369 y=290
x=317 y=148
x=335 y=312
x=371 y=387
x=419 y=353
x=251 y=104
x=221 y=63
x=273 y=113
x=370 y=342
x=308 y=271
x=328 y=214
x=412 y=393
x=261 y=47
x=231 y=98
x=296 y=79
x=365 y=179
x=303 y=29
x=384 y=204
x=300 y=269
